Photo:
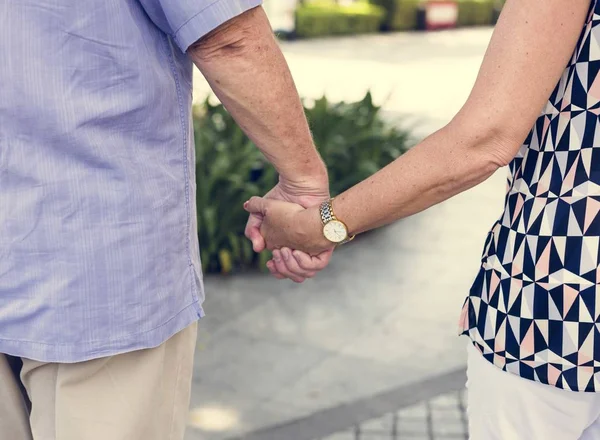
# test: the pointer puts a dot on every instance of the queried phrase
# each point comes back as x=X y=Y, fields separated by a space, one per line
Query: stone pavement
x=442 y=418
x=272 y=355
x=376 y=417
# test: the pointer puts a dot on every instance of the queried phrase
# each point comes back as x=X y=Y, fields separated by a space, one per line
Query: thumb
x=256 y=205
x=252 y=232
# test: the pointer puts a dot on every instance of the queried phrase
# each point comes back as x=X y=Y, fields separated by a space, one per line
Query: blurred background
x=369 y=349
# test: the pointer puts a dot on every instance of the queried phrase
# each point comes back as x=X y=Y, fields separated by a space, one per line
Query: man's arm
x=243 y=64
x=247 y=71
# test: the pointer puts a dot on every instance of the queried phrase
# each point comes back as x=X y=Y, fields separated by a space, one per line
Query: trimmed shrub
x=401 y=15
x=322 y=18
x=353 y=139
x=475 y=12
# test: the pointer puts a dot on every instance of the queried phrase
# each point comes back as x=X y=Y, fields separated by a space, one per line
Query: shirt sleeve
x=189 y=20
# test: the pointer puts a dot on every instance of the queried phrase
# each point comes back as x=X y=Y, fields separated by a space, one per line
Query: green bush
x=321 y=18
x=475 y=12
x=229 y=170
x=405 y=15
x=401 y=15
x=389 y=6
x=353 y=138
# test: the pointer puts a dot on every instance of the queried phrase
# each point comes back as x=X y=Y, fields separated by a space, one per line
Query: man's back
x=98 y=242
x=100 y=282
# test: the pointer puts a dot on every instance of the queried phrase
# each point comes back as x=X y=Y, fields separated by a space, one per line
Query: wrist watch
x=334 y=229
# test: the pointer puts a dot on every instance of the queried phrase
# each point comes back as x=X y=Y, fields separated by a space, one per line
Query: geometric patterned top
x=534 y=308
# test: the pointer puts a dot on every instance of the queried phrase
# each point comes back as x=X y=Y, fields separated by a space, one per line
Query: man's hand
x=287 y=264
x=286 y=226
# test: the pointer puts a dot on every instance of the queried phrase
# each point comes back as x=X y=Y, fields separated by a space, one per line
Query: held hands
x=285 y=226
x=289 y=225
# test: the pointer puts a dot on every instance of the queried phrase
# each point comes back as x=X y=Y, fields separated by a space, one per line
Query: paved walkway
x=383 y=315
x=442 y=418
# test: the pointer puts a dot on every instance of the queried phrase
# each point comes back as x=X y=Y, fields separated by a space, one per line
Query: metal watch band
x=326 y=210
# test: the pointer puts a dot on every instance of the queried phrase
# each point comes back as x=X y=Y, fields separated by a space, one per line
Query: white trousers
x=503 y=406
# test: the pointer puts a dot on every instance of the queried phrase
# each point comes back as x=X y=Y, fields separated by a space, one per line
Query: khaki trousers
x=141 y=395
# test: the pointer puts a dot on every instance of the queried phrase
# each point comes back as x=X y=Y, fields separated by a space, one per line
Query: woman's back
x=532 y=309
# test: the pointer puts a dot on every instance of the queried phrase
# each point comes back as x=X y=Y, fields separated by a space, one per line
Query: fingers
x=292 y=265
x=252 y=232
x=273 y=270
x=297 y=265
x=256 y=205
x=313 y=264
x=286 y=265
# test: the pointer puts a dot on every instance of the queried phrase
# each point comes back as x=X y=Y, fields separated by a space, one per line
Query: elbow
x=494 y=145
x=497 y=153
x=233 y=38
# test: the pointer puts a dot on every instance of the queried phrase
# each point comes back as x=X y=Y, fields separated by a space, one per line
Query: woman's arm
x=530 y=48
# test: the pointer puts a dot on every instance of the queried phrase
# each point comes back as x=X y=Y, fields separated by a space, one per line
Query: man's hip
x=140 y=395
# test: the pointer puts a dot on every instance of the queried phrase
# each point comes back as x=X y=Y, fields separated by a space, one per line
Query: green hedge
x=321 y=18
x=402 y=14
x=475 y=12
x=353 y=138
x=324 y=17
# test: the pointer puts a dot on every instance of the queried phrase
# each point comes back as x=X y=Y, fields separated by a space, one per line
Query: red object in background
x=440 y=14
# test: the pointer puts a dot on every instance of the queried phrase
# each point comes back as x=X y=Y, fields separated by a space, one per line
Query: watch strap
x=326 y=211
x=327 y=215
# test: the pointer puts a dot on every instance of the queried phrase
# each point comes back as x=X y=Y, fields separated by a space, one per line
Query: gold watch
x=334 y=229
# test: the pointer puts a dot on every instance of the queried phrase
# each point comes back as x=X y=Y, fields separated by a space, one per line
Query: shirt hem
x=562 y=385
x=55 y=353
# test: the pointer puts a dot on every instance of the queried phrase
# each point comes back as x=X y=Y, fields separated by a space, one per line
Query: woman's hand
x=307 y=194
x=289 y=225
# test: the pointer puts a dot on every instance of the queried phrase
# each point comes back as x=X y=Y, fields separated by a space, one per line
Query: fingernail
x=276 y=256
x=286 y=254
x=245 y=204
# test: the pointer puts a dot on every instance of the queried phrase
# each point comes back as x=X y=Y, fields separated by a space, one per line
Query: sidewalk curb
x=332 y=420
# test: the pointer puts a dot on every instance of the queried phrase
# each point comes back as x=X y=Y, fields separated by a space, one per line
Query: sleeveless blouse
x=534 y=308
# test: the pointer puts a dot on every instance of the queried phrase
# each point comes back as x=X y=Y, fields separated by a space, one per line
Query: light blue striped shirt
x=98 y=243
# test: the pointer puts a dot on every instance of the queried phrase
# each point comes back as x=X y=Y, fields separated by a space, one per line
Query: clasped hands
x=287 y=221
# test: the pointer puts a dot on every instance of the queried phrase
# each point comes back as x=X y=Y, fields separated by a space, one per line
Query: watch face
x=335 y=231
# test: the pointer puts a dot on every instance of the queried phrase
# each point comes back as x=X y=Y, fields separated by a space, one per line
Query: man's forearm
x=247 y=71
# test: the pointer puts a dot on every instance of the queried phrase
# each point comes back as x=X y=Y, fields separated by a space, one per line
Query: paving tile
x=339 y=379
x=418 y=411
x=383 y=424
x=412 y=426
x=325 y=312
x=341 y=436
x=228 y=297
x=440 y=418
x=253 y=367
x=446 y=401
x=251 y=418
